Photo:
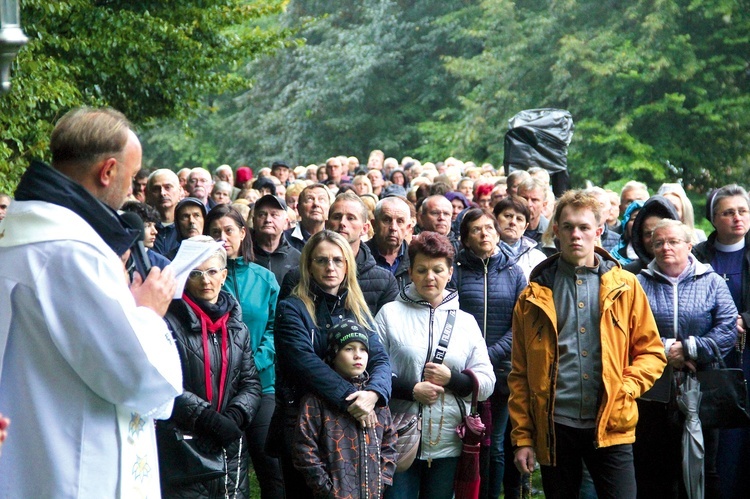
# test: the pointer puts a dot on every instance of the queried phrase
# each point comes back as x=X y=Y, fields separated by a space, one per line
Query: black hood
x=655 y=206
x=40 y=182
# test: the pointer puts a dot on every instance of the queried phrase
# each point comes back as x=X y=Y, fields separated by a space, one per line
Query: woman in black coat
x=221 y=386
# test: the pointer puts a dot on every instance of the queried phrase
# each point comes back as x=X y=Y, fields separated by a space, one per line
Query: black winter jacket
x=282 y=260
x=242 y=390
x=488 y=290
x=378 y=285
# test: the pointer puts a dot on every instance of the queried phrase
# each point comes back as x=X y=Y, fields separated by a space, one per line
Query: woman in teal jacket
x=256 y=289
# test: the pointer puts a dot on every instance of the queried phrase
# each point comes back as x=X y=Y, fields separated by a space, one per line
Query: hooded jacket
x=632 y=358
x=655 y=206
x=410 y=330
x=339 y=458
x=620 y=251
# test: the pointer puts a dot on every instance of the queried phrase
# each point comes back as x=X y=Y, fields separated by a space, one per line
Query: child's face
x=351 y=360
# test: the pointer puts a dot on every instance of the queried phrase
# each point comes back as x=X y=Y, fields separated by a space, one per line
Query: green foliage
x=150 y=59
x=362 y=76
x=646 y=82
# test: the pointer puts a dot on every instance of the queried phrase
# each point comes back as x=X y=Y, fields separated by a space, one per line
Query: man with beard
x=189 y=215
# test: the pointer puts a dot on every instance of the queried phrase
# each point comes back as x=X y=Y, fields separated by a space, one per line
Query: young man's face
x=351 y=360
x=577 y=231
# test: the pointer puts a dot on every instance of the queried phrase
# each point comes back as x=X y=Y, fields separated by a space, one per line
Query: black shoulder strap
x=445 y=338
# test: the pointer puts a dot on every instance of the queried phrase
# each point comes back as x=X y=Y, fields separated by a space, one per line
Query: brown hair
x=431 y=244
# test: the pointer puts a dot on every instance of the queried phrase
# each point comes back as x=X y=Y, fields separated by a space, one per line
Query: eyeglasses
x=673 y=243
x=323 y=261
x=743 y=212
x=196 y=274
x=480 y=229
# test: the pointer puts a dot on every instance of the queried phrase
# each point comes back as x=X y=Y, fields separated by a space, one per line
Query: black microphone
x=138 y=251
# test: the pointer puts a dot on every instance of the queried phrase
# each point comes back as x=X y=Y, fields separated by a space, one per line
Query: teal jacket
x=257 y=291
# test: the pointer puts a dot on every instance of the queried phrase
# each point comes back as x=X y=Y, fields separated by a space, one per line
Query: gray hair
x=727 y=191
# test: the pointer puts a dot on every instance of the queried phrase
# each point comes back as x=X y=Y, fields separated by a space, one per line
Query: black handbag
x=184 y=459
x=724 y=399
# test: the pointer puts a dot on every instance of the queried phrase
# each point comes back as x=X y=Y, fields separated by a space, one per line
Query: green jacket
x=256 y=289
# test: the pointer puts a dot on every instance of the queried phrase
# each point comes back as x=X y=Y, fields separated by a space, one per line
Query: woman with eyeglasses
x=256 y=290
x=327 y=293
x=488 y=280
x=728 y=251
x=431 y=342
x=221 y=385
x=696 y=317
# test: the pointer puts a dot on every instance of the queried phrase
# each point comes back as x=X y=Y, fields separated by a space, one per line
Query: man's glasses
x=196 y=275
x=323 y=261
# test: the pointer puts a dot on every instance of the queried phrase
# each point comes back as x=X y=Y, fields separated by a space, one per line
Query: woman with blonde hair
x=684 y=208
x=327 y=293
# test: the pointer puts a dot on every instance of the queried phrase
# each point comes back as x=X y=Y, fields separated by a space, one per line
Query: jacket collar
x=40 y=182
x=409 y=295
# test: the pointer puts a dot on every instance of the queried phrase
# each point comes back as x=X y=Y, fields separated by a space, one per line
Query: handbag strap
x=474 y=390
x=717 y=353
x=445 y=338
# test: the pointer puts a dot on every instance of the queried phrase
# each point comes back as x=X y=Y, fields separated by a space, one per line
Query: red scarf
x=208 y=326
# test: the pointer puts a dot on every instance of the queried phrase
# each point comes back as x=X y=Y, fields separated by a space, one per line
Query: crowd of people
x=342 y=294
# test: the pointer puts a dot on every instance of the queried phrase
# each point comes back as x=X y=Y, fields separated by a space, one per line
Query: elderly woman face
x=205 y=280
x=328 y=266
x=512 y=225
x=731 y=219
x=671 y=249
x=482 y=238
x=430 y=276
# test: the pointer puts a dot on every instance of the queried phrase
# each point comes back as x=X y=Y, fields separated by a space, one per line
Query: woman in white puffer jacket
x=410 y=329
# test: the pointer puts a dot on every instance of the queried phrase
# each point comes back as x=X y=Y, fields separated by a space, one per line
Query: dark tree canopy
x=149 y=59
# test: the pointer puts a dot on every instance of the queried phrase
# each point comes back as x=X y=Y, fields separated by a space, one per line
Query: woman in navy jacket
x=488 y=283
x=696 y=316
x=327 y=293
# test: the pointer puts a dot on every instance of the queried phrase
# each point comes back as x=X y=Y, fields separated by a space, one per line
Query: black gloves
x=219 y=427
x=235 y=414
